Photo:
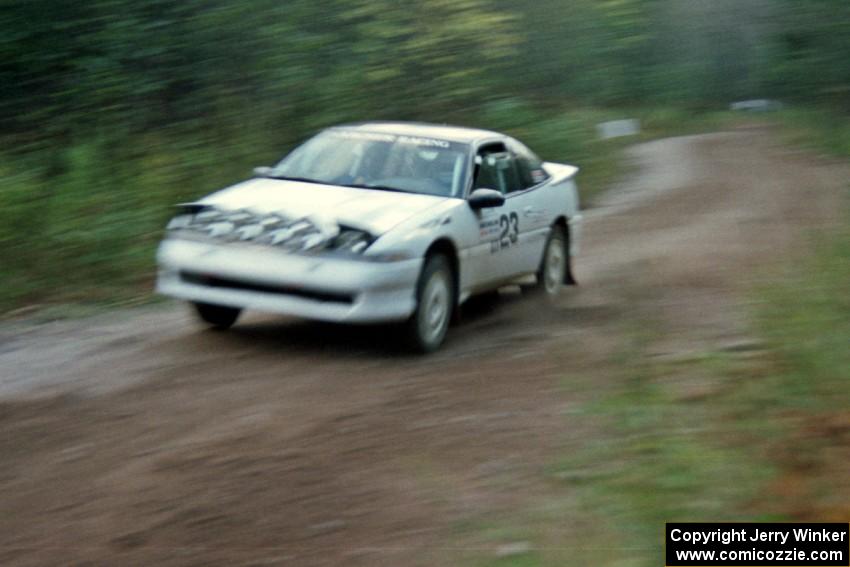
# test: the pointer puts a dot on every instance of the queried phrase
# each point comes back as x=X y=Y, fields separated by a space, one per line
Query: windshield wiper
x=291 y=178
x=378 y=187
x=320 y=182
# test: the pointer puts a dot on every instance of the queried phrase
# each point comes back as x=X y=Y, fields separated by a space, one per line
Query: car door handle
x=530 y=211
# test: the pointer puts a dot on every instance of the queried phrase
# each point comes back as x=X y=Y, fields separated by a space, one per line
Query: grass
x=818 y=129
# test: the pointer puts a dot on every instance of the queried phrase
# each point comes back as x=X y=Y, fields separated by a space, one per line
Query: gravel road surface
x=137 y=437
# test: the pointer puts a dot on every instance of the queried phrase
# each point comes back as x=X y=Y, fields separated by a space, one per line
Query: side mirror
x=262 y=171
x=485 y=199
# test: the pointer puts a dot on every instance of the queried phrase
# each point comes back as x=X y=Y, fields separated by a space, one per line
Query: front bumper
x=267 y=279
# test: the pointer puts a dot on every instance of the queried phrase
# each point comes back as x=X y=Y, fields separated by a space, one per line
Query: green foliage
x=806 y=318
x=137 y=66
x=810 y=51
x=817 y=128
x=112 y=110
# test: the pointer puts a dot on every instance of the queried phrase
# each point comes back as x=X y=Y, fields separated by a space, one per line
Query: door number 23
x=509 y=233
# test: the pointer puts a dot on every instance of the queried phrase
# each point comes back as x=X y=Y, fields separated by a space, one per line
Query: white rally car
x=377 y=222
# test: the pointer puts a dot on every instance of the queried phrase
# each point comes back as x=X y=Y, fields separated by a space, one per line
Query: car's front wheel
x=435 y=300
x=217 y=316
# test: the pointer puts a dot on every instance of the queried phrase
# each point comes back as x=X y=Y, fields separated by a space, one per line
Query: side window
x=508 y=168
x=495 y=168
x=486 y=173
x=529 y=166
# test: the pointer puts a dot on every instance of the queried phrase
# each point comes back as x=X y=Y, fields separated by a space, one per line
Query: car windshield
x=392 y=162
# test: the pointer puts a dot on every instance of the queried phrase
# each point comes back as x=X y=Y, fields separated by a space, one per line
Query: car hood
x=372 y=210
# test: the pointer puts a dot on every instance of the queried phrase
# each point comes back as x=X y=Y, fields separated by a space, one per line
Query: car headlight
x=354 y=242
x=351 y=240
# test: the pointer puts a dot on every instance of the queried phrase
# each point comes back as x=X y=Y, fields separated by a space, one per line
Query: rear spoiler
x=560 y=171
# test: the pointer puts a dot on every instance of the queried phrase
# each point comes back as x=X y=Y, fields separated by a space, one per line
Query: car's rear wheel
x=218 y=316
x=435 y=299
x=555 y=265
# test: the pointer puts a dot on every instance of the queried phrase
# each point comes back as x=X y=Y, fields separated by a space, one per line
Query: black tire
x=555 y=265
x=426 y=329
x=569 y=277
x=217 y=316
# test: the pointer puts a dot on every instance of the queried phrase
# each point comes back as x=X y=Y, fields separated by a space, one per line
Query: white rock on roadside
x=515 y=548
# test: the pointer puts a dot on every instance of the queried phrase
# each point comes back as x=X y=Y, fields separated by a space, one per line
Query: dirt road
x=137 y=438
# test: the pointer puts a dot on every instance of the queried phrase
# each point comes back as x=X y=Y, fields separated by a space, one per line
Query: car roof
x=425 y=130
